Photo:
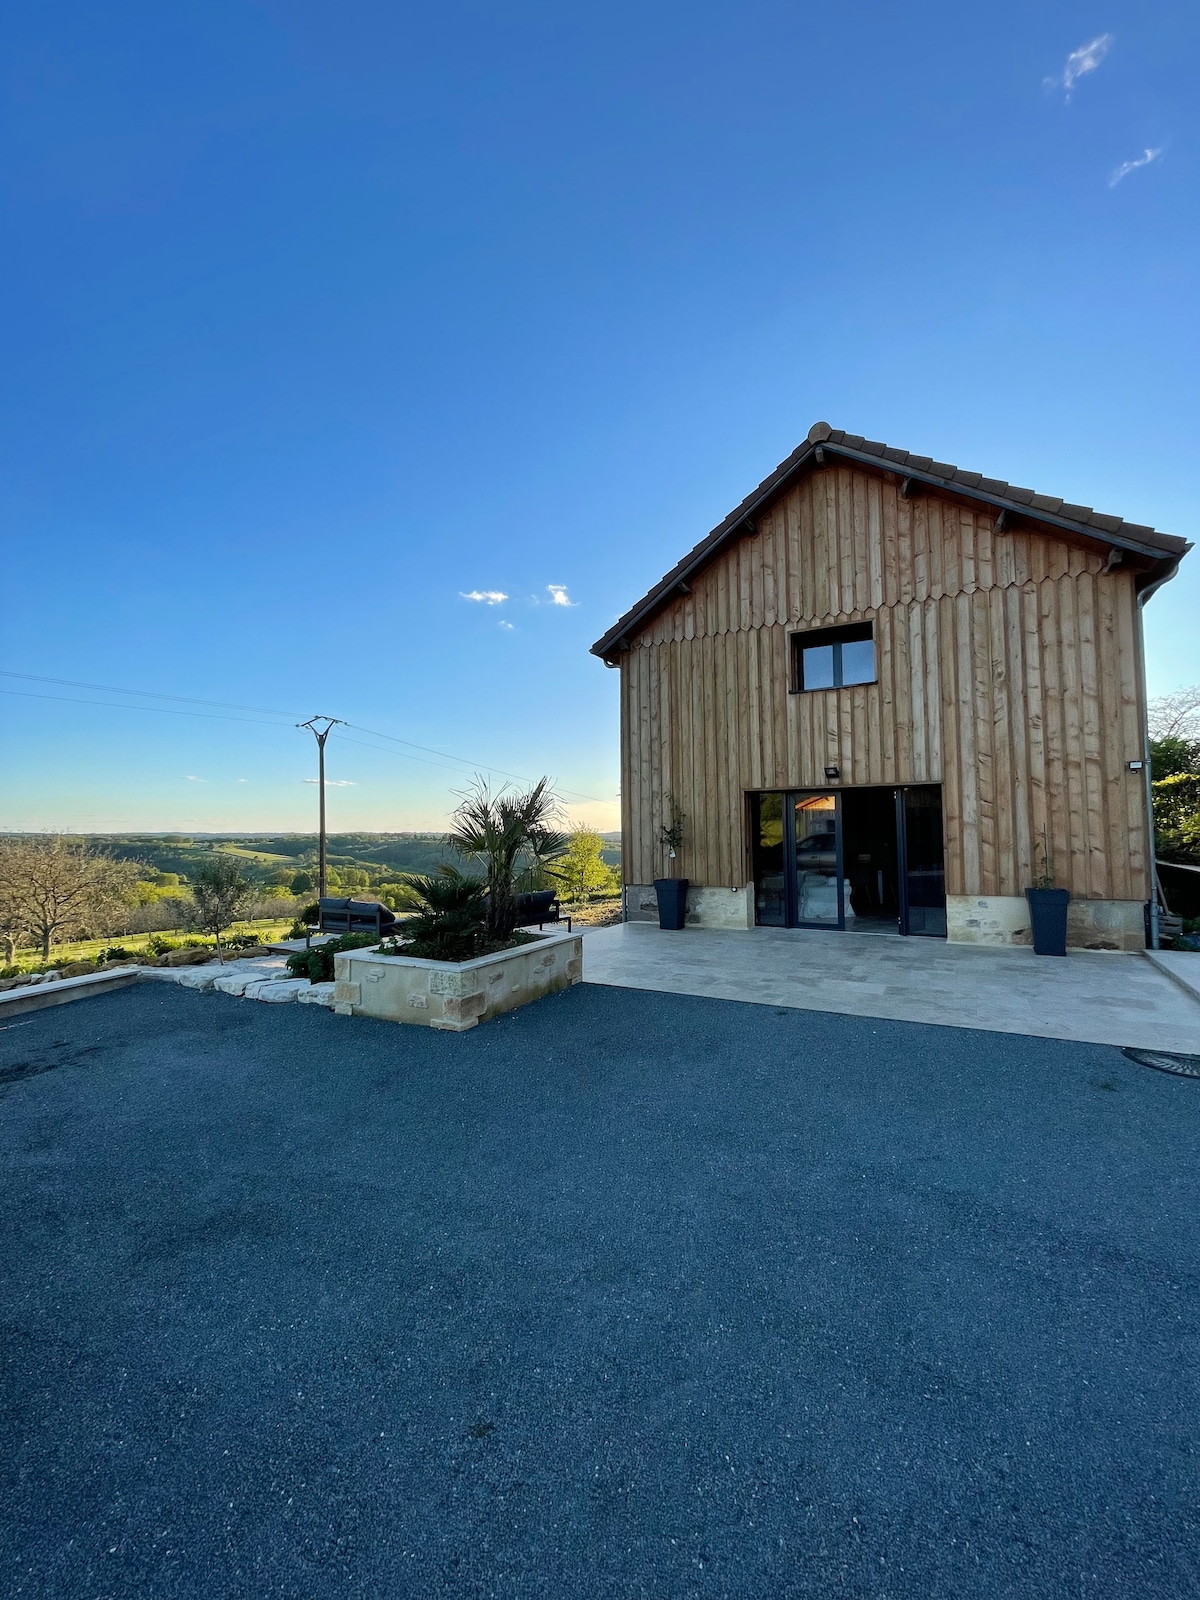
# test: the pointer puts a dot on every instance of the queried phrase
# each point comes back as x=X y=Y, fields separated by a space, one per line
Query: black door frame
x=790 y=894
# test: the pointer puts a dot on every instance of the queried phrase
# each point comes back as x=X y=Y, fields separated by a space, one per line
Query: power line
x=146 y=694
x=263 y=711
x=166 y=711
x=478 y=766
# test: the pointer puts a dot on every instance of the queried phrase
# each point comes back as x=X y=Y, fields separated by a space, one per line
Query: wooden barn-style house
x=887 y=694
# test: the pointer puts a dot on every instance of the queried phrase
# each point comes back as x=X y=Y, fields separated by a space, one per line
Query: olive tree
x=220 y=895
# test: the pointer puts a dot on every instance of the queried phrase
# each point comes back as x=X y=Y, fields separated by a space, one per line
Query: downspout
x=1147 y=777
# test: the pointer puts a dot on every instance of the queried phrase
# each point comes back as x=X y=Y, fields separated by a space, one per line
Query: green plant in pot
x=671 y=891
x=1047 y=906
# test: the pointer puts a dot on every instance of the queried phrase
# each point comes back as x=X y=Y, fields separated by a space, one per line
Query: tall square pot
x=1048 y=920
x=672 y=901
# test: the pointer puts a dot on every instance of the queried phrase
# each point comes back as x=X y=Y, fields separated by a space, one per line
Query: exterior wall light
x=1136 y=766
x=833 y=772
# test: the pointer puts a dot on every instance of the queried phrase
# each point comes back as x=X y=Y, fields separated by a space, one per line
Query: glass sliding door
x=817 y=858
x=858 y=857
x=769 y=847
x=922 y=860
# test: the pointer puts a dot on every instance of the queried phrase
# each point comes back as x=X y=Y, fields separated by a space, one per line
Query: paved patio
x=1093 y=996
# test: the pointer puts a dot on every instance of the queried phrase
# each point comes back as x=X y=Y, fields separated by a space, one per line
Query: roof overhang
x=1160 y=564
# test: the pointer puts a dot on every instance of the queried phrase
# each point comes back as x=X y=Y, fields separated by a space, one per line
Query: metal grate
x=1164 y=1061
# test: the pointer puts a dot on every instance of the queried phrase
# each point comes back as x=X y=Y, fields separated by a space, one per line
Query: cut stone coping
x=34 y=997
x=454 y=995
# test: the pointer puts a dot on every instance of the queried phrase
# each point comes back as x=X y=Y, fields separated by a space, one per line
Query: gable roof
x=1162 y=551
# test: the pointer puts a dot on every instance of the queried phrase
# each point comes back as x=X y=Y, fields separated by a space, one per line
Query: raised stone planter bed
x=454 y=995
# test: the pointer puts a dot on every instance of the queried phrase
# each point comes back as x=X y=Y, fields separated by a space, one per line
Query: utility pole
x=320 y=735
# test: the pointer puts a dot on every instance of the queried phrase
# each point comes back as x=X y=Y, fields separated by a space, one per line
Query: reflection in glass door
x=817 y=854
x=770 y=877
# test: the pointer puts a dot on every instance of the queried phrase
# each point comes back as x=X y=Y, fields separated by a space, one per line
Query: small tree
x=1175 y=716
x=672 y=832
x=303 y=883
x=581 y=870
x=220 y=894
x=499 y=830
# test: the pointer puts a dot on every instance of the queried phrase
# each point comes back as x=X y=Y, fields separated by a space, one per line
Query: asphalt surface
x=625 y=1295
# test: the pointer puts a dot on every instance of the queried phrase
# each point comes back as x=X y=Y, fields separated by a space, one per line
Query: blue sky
x=318 y=317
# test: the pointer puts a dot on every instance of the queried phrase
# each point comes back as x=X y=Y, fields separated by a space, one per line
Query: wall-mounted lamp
x=1135 y=766
x=833 y=772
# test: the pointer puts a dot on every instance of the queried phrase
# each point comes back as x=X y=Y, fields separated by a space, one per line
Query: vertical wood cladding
x=1008 y=671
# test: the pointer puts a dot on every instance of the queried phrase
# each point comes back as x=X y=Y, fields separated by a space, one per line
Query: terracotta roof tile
x=1093 y=524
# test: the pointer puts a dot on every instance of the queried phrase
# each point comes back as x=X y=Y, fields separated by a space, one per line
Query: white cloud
x=334 y=783
x=559 y=596
x=1080 y=62
x=487 y=597
x=191 y=778
x=241 y=780
x=1127 y=167
x=507 y=625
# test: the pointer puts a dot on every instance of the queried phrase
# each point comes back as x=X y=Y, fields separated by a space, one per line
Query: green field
x=136 y=943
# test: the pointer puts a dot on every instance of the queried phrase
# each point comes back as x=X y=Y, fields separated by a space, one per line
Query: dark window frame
x=817 y=638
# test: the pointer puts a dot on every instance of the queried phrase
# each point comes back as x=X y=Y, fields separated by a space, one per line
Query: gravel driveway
x=628 y=1294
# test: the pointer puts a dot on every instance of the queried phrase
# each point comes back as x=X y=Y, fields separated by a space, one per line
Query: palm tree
x=499 y=830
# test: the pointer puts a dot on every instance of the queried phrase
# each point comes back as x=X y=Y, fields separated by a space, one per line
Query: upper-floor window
x=833 y=658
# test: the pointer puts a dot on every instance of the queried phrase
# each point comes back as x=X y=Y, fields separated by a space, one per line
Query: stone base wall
x=454 y=995
x=1004 y=920
x=706 y=908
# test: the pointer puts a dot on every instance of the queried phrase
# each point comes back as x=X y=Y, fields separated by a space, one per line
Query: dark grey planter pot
x=672 y=901
x=1048 y=920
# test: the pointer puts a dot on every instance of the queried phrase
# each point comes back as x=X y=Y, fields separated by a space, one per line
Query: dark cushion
x=536 y=907
x=351 y=911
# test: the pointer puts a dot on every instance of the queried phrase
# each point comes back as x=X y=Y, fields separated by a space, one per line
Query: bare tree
x=1176 y=716
x=220 y=894
x=52 y=887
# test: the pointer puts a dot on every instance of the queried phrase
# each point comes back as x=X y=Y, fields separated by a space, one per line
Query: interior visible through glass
x=818 y=896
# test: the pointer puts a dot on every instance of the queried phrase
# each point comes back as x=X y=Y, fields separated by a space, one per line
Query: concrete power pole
x=320 y=735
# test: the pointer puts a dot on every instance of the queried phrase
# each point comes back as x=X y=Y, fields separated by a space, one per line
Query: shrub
x=317 y=965
x=452 y=922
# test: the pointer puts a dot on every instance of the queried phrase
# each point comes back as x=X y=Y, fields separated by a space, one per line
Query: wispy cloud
x=1127 y=167
x=559 y=596
x=508 y=626
x=1080 y=62
x=334 y=783
x=192 y=778
x=487 y=597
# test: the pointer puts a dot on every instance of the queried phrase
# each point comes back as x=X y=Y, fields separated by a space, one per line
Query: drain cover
x=1163 y=1061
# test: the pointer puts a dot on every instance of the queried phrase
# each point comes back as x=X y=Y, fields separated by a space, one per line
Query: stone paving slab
x=1181 y=966
x=1092 y=996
